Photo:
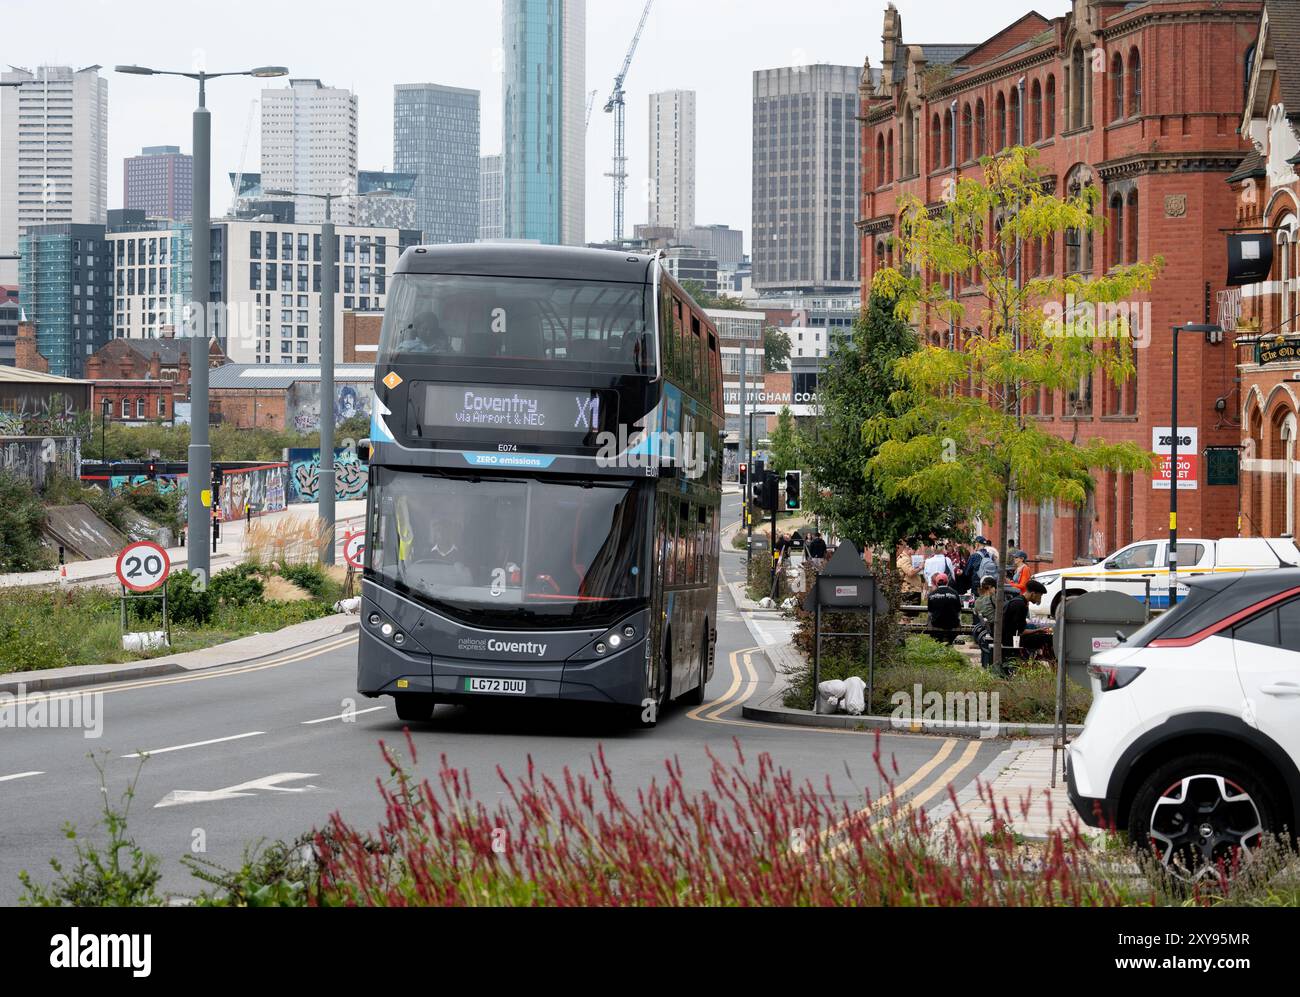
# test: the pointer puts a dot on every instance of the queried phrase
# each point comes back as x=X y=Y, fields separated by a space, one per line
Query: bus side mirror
x=363 y=451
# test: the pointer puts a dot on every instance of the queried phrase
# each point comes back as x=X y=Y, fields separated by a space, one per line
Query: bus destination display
x=542 y=410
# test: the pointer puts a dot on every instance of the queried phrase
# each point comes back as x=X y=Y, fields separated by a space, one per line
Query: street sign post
x=354 y=555
x=142 y=569
x=845 y=585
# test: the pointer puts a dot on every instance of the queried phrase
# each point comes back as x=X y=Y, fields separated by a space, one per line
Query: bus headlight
x=399 y=639
x=600 y=647
x=628 y=632
x=386 y=630
x=374 y=619
x=615 y=640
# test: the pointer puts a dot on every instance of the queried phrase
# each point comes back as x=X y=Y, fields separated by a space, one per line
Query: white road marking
x=18 y=775
x=194 y=744
x=340 y=716
x=268 y=782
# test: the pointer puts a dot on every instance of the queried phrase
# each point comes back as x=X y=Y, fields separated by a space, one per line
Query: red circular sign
x=354 y=549
x=143 y=566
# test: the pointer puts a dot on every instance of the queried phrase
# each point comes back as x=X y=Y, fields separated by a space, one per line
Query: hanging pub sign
x=1250 y=257
x=1278 y=349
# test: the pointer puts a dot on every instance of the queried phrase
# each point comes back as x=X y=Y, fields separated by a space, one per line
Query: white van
x=1145 y=563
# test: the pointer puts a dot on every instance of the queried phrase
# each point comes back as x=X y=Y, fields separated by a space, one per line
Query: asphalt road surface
x=262 y=751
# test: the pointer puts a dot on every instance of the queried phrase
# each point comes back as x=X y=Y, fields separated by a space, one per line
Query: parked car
x=1192 y=743
x=1131 y=568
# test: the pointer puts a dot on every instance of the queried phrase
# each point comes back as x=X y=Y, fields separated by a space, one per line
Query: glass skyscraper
x=436 y=137
x=544 y=120
x=65 y=284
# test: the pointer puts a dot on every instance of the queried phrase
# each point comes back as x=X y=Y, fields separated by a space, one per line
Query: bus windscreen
x=518 y=321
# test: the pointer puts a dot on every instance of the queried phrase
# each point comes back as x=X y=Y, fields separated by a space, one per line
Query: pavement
x=1017 y=785
x=349 y=514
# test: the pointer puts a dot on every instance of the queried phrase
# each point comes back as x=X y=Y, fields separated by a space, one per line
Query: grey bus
x=545 y=471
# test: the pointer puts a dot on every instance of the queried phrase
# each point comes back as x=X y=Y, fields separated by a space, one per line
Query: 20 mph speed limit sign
x=142 y=566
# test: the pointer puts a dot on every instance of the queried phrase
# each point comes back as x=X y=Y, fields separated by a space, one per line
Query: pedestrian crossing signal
x=744 y=472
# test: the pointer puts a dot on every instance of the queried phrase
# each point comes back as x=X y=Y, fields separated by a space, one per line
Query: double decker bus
x=545 y=483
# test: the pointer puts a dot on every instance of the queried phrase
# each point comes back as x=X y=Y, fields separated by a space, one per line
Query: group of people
x=939 y=575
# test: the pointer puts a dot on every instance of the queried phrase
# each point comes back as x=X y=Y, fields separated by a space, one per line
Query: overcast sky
x=710 y=46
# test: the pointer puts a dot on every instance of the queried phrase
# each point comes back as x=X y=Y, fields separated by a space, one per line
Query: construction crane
x=591 y=99
x=615 y=104
x=243 y=156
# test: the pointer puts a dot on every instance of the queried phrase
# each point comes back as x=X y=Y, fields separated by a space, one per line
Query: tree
x=783 y=446
x=960 y=432
x=776 y=349
x=704 y=299
x=859 y=384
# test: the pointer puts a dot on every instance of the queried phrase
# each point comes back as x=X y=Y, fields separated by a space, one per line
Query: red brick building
x=1143 y=100
x=361 y=336
x=142 y=379
x=1267 y=189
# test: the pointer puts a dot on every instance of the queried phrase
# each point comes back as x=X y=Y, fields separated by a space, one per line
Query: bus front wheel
x=414 y=707
x=646 y=715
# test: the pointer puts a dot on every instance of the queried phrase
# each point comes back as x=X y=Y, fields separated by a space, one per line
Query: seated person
x=1016 y=621
x=422 y=334
x=985 y=602
x=945 y=609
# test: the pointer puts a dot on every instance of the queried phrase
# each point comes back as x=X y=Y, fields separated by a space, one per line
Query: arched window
x=1078 y=84
x=1131 y=234
x=1049 y=109
x=948 y=124
x=889 y=156
x=881 y=168
x=126 y=408
x=1049 y=255
x=981 y=129
x=1002 y=122
x=1015 y=127
x=1036 y=112
x=1078 y=242
x=936 y=142
x=1134 y=83
x=1116 y=87
x=1117 y=228
x=967 y=125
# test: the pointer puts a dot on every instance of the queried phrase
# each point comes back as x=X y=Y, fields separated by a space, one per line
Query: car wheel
x=414 y=707
x=1202 y=814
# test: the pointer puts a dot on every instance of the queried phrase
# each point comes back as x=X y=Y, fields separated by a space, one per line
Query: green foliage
x=27 y=642
x=923 y=651
x=308 y=577
x=22 y=517
x=783 y=446
x=237 y=586
x=274 y=875
x=860 y=384
x=704 y=299
x=776 y=349
x=120 y=442
x=118 y=874
x=189 y=601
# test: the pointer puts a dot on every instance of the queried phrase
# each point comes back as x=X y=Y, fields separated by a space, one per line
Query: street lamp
x=1209 y=330
x=325 y=477
x=198 y=513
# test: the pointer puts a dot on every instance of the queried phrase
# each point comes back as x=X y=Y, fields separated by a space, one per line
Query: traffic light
x=792 y=482
x=217 y=475
x=771 y=492
x=744 y=468
x=757 y=481
x=151 y=470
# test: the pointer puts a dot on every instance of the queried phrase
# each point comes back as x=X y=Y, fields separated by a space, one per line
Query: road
x=270 y=734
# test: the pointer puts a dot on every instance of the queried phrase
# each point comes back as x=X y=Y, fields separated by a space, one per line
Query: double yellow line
x=881 y=812
x=216 y=671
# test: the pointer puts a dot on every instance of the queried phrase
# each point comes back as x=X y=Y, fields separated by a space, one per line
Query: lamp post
x=1173 y=457
x=325 y=478
x=198 y=514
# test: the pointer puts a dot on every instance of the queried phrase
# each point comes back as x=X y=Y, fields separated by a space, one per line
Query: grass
x=52 y=628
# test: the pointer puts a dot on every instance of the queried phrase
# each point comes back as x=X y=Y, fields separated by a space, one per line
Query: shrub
x=22 y=517
x=308 y=577
x=189 y=602
x=237 y=586
x=28 y=642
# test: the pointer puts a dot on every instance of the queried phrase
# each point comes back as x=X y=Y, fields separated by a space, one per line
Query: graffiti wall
x=350 y=475
x=37 y=457
x=303 y=404
x=27 y=410
x=264 y=487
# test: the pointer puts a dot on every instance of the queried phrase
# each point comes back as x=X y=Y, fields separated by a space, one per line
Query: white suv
x=1192 y=744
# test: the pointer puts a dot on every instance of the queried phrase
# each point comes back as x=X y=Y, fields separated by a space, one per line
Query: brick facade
x=1143 y=101
x=361 y=336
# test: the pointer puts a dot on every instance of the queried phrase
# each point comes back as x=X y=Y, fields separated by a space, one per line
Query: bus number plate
x=510 y=686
